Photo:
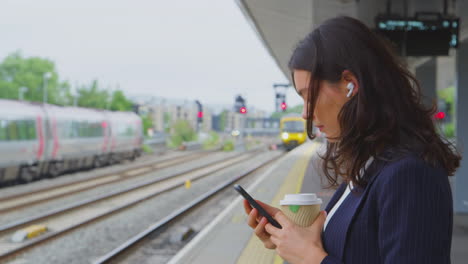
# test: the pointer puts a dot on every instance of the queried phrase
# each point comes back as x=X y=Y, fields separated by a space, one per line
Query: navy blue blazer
x=403 y=215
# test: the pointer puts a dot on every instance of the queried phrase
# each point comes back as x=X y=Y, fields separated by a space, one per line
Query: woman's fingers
x=252 y=219
x=260 y=229
x=257 y=222
x=247 y=207
x=270 y=209
x=264 y=237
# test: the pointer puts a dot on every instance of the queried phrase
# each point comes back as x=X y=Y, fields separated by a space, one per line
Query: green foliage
x=120 y=102
x=147 y=149
x=17 y=71
x=223 y=120
x=92 y=96
x=182 y=132
x=228 y=145
x=295 y=109
x=212 y=141
x=147 y=123
x=167 y=122
x=449 y=130
x=448 y=95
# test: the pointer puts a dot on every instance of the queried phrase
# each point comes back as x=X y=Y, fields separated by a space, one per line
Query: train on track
x=42 y=140
x=293 y=131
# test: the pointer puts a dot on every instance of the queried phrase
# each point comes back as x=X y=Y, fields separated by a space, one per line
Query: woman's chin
x=330 y=138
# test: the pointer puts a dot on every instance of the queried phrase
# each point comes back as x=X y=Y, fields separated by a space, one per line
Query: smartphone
x=257 y=206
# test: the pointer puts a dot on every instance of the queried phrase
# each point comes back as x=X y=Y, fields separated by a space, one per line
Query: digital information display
x=419 y=37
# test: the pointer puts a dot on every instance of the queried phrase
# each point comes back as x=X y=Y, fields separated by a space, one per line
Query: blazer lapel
x=335 y=238
x=336 y=196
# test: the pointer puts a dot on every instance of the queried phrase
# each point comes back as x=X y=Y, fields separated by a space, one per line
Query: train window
x=74 y=129
x=96 y=130
x=121 y=130
x=64 y=129
x=129 y=132
x=17 y=130
x=3 y=130
x=31 y=129
x=12 y=130
x=83 y=129
x=71 y=129
x=91 y=130
x=21 y=127
x=125 y=130
x=293 y=126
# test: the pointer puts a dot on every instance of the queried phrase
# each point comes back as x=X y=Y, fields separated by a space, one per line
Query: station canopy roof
x=281 y=24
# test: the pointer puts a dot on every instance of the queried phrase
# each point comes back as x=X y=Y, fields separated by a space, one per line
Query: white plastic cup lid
x=301 y=199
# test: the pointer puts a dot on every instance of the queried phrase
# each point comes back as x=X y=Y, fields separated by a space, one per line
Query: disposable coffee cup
x=301 y=208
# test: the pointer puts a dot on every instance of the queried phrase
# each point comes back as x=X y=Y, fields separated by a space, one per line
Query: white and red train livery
x=41 y=140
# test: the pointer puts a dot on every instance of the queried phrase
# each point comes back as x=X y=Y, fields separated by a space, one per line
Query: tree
x=223 y=120
x=448 y=96
x=120 y=102
x=17 y=71
x=147 y=123
x=92 y=96
x=182 y=132
x=167 y=122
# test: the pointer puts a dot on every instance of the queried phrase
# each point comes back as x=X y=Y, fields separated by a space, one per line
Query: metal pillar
x=461 y=176
x=426 y=74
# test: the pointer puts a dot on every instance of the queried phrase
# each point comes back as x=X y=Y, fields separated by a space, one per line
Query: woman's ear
x=349 y=81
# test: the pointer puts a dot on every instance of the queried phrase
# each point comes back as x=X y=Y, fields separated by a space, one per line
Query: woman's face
x=331 y=98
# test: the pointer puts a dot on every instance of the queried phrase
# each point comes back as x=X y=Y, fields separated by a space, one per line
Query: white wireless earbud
x=350 y=88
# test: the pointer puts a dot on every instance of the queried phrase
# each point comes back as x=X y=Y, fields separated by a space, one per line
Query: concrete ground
x=460 y=239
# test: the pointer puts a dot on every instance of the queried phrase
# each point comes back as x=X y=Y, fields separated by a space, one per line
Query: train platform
x=228 y=239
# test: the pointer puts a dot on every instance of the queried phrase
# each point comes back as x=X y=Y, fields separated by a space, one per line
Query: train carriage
x=126 y=135
x=41 y=140
x=76 y=137
x=293 y=131
x=21 y=140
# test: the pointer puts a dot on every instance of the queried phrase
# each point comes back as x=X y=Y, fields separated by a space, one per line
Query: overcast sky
x=187 y=50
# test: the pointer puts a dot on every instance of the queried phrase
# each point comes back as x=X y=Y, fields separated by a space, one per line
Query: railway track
x=28 y=199
x=136 y=241
x=64 y=220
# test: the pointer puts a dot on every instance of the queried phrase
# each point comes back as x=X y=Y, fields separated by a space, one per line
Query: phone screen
x=257 y=206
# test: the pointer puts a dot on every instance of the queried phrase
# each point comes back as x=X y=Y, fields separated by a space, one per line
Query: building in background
x=165 y=113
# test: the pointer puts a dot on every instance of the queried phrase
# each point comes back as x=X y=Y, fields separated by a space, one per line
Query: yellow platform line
x=255 y=252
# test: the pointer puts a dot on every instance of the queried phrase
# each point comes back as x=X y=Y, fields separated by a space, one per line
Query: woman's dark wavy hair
x=387 y=112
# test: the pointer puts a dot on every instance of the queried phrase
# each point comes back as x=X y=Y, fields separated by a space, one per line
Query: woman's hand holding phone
x=258 y=222
x=296 y=244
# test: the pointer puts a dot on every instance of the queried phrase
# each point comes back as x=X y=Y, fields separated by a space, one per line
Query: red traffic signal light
x=243 y=110
x=283 y=106
x=200 y=114
x=440 y=115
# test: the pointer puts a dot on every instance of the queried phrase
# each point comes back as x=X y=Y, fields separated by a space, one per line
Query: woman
x=393 y=203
